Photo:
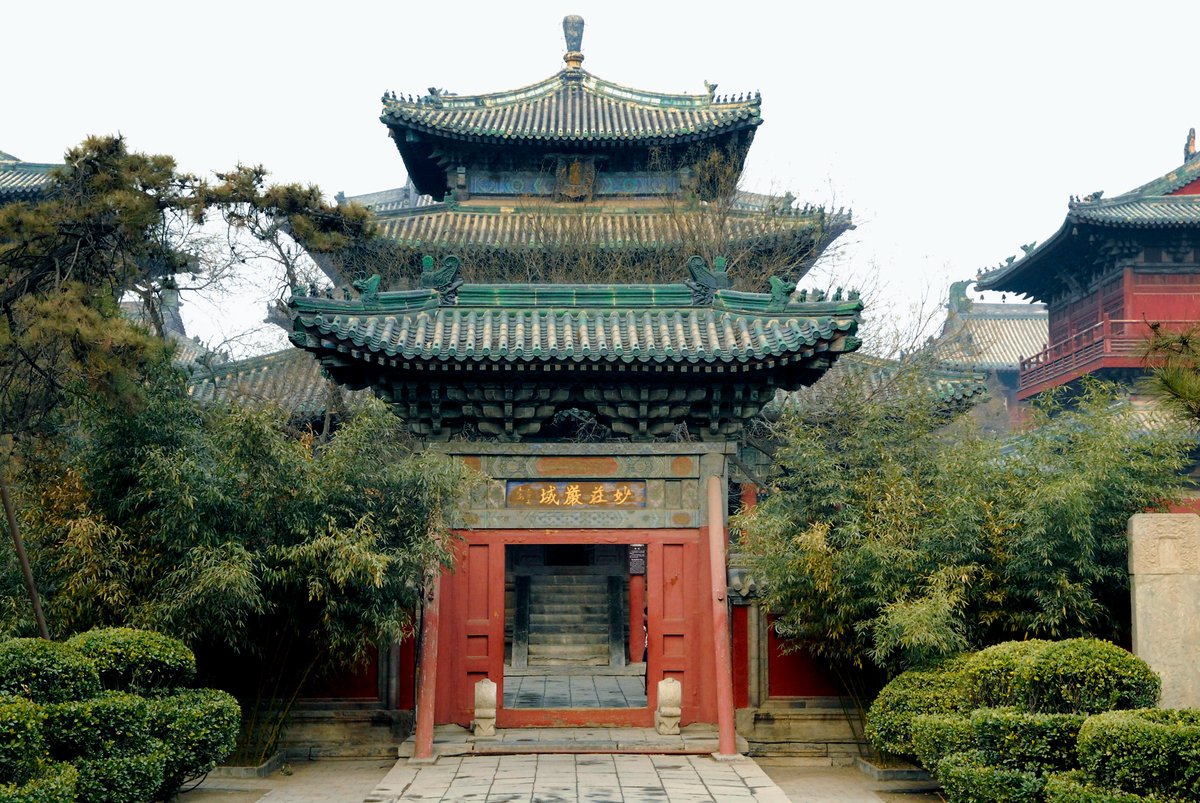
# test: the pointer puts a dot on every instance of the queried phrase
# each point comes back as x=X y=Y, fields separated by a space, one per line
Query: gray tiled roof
x=291 y=379
x=440 y=225
x=993 y=337
x=573 y=106
x=1130 y=210
x=23 y=181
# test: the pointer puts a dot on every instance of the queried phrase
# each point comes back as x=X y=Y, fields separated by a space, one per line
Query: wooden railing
x=1124 y=339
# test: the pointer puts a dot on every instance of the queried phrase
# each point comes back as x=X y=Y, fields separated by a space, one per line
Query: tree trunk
x=23 y=559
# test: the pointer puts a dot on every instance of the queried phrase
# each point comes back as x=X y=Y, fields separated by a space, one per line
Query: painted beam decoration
x=575 y=494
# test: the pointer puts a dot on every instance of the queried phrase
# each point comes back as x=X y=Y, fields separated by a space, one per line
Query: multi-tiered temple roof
x=582 y=261
x=639 y=179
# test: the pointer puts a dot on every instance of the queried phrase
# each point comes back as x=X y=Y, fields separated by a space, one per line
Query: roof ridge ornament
x=445 y=280
x=573 y=33
x=705 y=282
x=1189 y=147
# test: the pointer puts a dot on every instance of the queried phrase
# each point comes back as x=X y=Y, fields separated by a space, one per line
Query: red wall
x=741 y=655
x=795 y=674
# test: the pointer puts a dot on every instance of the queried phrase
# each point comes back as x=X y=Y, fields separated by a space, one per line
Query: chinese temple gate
x=603 y=416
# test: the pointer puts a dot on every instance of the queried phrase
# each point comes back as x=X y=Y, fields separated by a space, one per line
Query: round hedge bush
x=112 y=724
x=1083 y=676
x=1070 y=787
x=137 y=660
x=969 y=778
x=991 y=672
x=940 y=690
x=121 y=779
x=1026 y=740
x=935 y=736
x=46 y=671
x=199 y=728
x=21 y=742
x=53 y=783
x=1153 y=751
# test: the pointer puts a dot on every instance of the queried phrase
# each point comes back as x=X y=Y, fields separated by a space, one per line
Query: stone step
x=569 y=651
x=555 y=624
x=568 y=579
x=567 y=609
x=557 y=618
x=549 y=639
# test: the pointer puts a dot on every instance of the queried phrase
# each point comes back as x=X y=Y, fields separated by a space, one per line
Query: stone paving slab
x=589 y=778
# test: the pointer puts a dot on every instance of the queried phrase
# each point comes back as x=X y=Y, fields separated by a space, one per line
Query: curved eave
x=399 y=127
x=749 y=341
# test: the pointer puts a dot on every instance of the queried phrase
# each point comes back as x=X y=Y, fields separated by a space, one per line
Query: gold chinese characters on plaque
x=575 y=493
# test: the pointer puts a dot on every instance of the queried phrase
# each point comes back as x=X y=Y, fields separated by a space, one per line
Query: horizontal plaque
x=575 y=494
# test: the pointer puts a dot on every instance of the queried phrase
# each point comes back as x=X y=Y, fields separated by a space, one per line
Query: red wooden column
x=637 y=617
x=423 y=747
x=727 y=741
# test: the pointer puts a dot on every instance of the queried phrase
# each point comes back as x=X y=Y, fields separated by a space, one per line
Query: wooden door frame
x=454 y=628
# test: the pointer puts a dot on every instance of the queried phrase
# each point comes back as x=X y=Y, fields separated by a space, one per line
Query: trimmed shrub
x=1025 y=740
x=968 y=778
x=113 y=724
x=124 y=779
x=21 y=742
x=137 y=660
x=935 y=736
x=199 y=728
x=1083 y=676
x=46 y=671
x=53 y=783
x=1069 y=787
x=1144 y=752
x=990 y=673
x=940 y=690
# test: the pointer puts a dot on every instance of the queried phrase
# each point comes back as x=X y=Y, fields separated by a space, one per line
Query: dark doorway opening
x=567 y=626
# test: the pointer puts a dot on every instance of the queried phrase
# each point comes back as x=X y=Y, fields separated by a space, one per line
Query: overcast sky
x=955 y=131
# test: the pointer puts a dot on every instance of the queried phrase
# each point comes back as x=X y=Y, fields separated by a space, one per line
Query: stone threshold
x=629 y=670
x=452 y=740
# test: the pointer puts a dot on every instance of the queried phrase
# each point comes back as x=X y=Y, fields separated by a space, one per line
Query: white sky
x=955 y=130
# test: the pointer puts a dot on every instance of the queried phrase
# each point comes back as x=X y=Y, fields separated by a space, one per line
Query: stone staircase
x=568 y=620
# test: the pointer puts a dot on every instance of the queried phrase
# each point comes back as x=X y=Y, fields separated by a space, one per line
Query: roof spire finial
x=1189 y=148
x=573 y=32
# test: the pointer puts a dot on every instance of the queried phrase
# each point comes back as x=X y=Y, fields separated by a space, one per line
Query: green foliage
x=991 y=672
x=46 y=671
x=53 y=782
x=225 y=529
x=112 y=724
x=969 y=778
x=1152 y=751
x=1026 y=741
x=21 y=741
x=935 y=736
x=1070 y=787
x=1084 y=676
x=122 y=779
x=198 y=728
x=889 y=720
x=896 y=533
x=137 y=660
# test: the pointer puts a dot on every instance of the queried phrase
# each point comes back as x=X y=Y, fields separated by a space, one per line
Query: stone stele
x=1164 y=561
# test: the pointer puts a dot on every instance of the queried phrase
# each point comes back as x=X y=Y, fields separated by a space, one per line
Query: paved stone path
x=574 y=691
x=590 y=778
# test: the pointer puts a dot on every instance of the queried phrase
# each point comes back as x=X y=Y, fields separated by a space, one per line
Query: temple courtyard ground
x=558 y=778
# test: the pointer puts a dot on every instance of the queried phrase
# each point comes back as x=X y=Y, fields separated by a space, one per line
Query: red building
x=1115 y=267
